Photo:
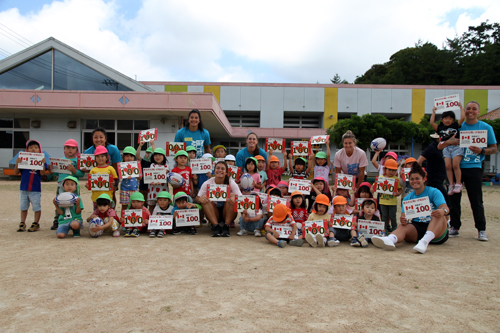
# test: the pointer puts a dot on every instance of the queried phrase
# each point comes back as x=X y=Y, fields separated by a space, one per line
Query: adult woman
x=217 y=211
x=251 y=150
x=432 y=228
x=351 y=160
x=194 y=134
x=472 y=173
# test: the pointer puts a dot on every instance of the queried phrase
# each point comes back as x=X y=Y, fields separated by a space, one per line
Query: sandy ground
x=198 y=283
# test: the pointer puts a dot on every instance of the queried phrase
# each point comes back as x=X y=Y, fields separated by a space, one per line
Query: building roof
x=492 y=115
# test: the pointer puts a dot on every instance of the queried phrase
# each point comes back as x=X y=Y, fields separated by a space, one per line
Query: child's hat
x=322 y=199
x=410 y=159
x=105 y=197
x=160 y=151
x=208 y=155
x=259 y=158
x=181 y=195
x=300 y=160
x=190 y=148
x=217 y=147
x=138 y=196
x=320 y=178
x=129 y=150
x=230 y=158
x=71 y=143
x=320 y=154
x=339 y=200
x=181 y=153
x=392 y=154
x=274 y=159
x=282 y=184
x=149 y=150
x=280 y=212
x=71 y=178
x=391 y=164
x=295 y=193
x=164 y=194
x=253 y=159
x=99 y=150
x=370 y=199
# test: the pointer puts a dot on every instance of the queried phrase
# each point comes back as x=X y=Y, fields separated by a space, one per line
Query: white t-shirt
x=350 y=164
x=234 y=187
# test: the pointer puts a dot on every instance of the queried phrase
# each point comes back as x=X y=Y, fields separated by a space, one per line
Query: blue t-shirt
x=129 y=184
x=196 y=139
x=31 y=180
x=243 y=154
x=470 y=159
x=436 y=199
x=113 y=151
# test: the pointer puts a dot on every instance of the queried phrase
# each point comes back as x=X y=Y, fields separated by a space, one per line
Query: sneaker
x=232 y=225
x=383 y=243
x=332 y=241
x=22 y=227
x=481 y=236
x=135 y=232
x=362 y=240
x=161 y=234
x=176 y=231
x=263 y=232
x=216 y=230
x=76 y=233
x=192 y=231
x=320 y=240
x=421 y=246
x=458 y=188
x=116 y=233
x=225 y=231
x=256 y=233
x=310 y=240
x=296 y=242
x=128 y=233
x=55 y=225
x=152 y=234
x=452 y=232
x=451 y=189
x=243 y=232
x=282 y=243
x=355 y=242
x=34 y=227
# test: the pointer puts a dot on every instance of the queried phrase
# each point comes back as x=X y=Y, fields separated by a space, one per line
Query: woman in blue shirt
x=194 y=134
x=251 y=150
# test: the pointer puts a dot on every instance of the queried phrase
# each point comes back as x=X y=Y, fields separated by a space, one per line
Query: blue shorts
x=452 y=151
x=64 y=228
x=29 y=196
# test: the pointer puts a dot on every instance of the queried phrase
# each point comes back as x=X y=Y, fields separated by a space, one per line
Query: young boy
x=128 y=185
x=273 y=169
x=230 y=160
x=389 y=203
x=31 y=188
x=143 y=188
x=321 y=205
x=336 y=235
x=163 y=207
x=220 y=151
x=107 y=215
x=184 y=201
x=368 y=209
x=261 y=166
x=136 y=202
x=299 y=168
x=447 y=129
x=71 y=218
x=282 y=215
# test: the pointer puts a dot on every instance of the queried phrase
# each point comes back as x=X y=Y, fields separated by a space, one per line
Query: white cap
x=230 y=158
x=207 y=155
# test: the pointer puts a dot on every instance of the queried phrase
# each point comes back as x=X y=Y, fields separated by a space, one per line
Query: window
x=119 y=132
x=33 y=74
x=243 y=119
x=14 y=132
x=234 y=147
x=301 y=120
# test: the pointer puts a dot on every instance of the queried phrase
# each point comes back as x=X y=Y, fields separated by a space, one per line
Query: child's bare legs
x=270 y=237
x=37 y=216
x=449 y=170
x=24 y=215
x=456 y=169
x=74 y=225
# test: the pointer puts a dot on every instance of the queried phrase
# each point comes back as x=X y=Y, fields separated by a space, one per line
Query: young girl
x=407 y=189
x=338 y=234
x=251 y=169
x=192 y=155
x=261 y=165
x=320 y=207
x=230 y=160
x=143 y=188
x=319 y=186
x=299 y=210
x=367 y=212
x=220 y=151
x=281 y=215
x=273 y=169
x=136 y=202
x=299 y=168
x=283 y=186
x=320 y=161
x=163 y=207
x=128 y=185
x=103 y=167
x=363 y=193
x=251 y=220
x=388 y=156
x=349 y=197
x=181 y=159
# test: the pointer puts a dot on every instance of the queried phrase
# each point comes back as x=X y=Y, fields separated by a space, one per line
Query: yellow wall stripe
x=480 y=96
x=214 y=90
x=331 y=107
x=176 y=88
x=417 y=105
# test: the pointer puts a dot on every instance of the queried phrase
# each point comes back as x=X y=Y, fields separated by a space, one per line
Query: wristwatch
x=483 y=151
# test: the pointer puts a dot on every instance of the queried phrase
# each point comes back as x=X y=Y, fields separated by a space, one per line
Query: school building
x=51 y=92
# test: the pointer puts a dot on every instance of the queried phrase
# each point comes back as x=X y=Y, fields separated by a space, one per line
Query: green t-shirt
x=63 y=219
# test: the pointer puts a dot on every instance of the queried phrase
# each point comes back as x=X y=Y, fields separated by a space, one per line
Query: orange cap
x=410 y=159
x=274 y=159
x=322 y=199
x=391 y=164
x=339 y=200
x=259 y=158
x=280 y=212
x=296 y=193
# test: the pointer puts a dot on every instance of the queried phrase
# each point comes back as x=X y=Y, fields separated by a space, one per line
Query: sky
x=236 y=41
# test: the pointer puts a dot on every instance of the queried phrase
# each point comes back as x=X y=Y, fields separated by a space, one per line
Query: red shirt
x=187 y=175
x=300 y=214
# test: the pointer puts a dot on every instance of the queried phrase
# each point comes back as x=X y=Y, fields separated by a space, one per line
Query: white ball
x=246 y=182
x=378 y=144
x=66 y=199
x=95 y=222
x=175 y=179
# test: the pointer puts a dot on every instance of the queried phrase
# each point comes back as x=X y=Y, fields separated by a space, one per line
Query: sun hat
x=217 y=147
x=391 y=164
x=319 y=178
x=71 y=178
x=181 y=195
x=129 y=150
x=160 y=151
x=274 y=159
x=164 y=194
x=300 y=159
x=253 y=159
x=190 y=148
x=322 y=199
x=392 y=154
x=260 y=158
x=181 y=153
x=100 y=150
x=104 y=196
x=410 y=159
x=339 y=200
x=280 y=212
x=282 y=184
x=230 y=158
x=149 y=150
x=71 y=143
x=138 y=196
x=320 y=154
x=295 y=193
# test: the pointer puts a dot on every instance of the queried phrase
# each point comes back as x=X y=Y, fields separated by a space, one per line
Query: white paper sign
x=133 y=218
x=201 y=165
x=100 y=182
x=447 y=103
x=343 y=221
x=343 y=181
x=301 y=148
x=32 y=161
x=264 y=200
x=319 y=139
x=301 y=185
x=386 y=185
x=315 y=227
x=416 y=208
x=155 y=175
x=218 y=192
x=284 y=229
x=358 y=203
x=148 y=135
x=273 y=201
x=160 y=222
x=474 y=138
x=86 y=162
x=187 y=218
x=60 y=165
x=371 y=228
x=129 y=169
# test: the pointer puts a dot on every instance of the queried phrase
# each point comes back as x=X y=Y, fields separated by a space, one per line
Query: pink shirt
x=350 y=164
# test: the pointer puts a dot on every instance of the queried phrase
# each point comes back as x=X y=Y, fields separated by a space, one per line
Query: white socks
x=393 y=238
x=429 y=235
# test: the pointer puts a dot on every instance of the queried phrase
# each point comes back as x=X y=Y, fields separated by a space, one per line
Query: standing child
x=106 y=214
x=181 y=159
x=220 y=151
x=184 y=201
x=71 y=218
x=388 y=156
x=192 y=155
x=282 y=215
x=251 y=220
x=407 y=189
x=103 y=167
x=31 y=188
x=388 y=202
x=338 y=234
x=299 y=168
x=319 y=186
x=251 y=169
x=273 y=169
x=299 y=210
x=364 y=192
x=163 y=207
x=143 y=188
x=319 y=163
x=261 y=166
x=128 y=185
x=321 y=205
x=136 y=202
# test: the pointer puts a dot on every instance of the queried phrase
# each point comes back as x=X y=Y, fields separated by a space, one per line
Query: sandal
x=22 y=227
x=34 y=227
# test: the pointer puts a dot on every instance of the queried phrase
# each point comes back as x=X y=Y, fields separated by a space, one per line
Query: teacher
x=217 y=210
x=194 y=134
x=351 y=160
x=472 y=173
x=251 y=150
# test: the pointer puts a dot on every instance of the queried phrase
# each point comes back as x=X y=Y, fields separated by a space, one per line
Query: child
x=71 y=218
x=281 y=215
x=321 y=205
x=447 y=129
x=299 y=168
x=320 y=163
x=283 y=186
x=349 y=197
x=71 y=153
x=181 y=159
x=407 y=189
x=103 y=167
x=163 y=207
x=220 y=151
x=106 y=214
x=251 y=220
x=318 y=186
x=364 y=193
x=136 y=202
x=251 y=169
x=299 y=210
x=336 y=235
x=368 y=212
x=261 y=165
x=31 y=188
x=380 y=167
x=143 y=188
x=230 y=160
x=128 y=185
x=184 y=201
x=192 y=155
x=205 y=176
x=273 y=169
x=388 y=202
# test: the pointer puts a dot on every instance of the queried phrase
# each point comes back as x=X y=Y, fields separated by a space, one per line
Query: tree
x=496 y=128
x=338 y=80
